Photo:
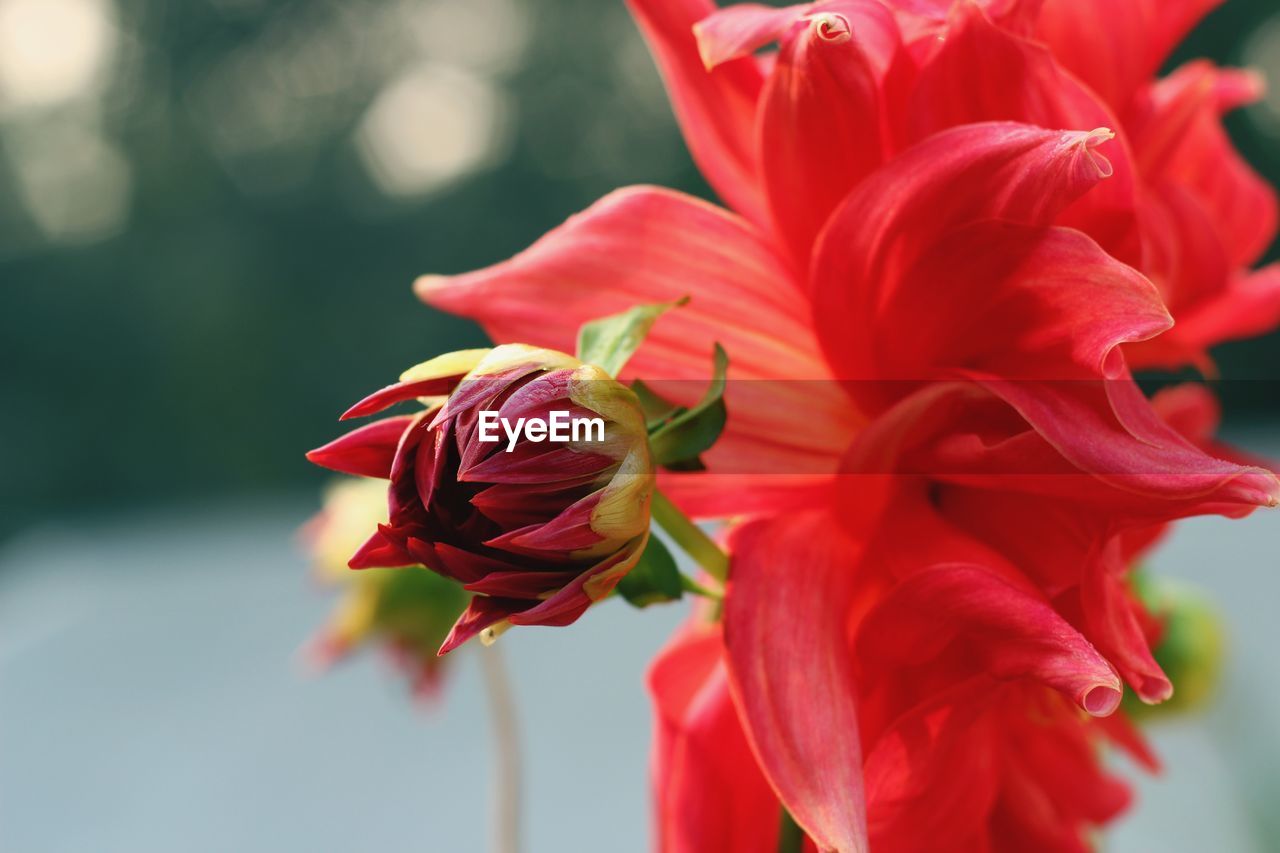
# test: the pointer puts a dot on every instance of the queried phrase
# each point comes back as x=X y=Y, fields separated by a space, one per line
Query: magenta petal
x=533 y=462
x=568 y=531
x=380 y=552
x=467 y=566
x=483 y=612
x=519 y=584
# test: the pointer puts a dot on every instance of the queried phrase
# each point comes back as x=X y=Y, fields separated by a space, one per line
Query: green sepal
x=609 y=342
x=679 y=435
x=654 y=579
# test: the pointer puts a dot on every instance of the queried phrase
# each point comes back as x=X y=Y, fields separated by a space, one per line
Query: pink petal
x=716 y=109
x=792 y=673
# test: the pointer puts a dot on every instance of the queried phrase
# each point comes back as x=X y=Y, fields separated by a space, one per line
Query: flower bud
x=526 y=477
x=408 y=611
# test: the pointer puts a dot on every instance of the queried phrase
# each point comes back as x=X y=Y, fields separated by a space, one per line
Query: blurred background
x=211 y=212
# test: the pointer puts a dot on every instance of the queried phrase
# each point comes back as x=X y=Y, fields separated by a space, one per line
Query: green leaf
x=678 y=438
x=657 y=410
x=610 y=341
x=655 y=578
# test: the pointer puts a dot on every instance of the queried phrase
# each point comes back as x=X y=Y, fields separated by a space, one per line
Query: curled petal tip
x=1260 y=487
x=1088 y=143
x=1101 y=700
x=830 y=27
x=1154 y=689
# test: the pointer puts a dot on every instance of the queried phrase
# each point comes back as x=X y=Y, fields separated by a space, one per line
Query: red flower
x=538 y=530
x=954 y=227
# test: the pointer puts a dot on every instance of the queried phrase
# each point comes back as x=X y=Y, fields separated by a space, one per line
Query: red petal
x=983 y=171
x=1249 y=306
x=1044 y=303
x=364 y=452
x=1012 y=632
x=741 y=30
x=820 y=116
x=646 y=245
x=537 y=463
x=1114 y=47
x=570 y=530
x=398 y=393
x=709 y=792
x=379 y=552
x=520 y=584
x=1111 y=622
x=1109 y=429
x=967 y=79
x=792 y=673
x=1178 y=136
x=481 y=613
x=935 y=772
x=716 y=109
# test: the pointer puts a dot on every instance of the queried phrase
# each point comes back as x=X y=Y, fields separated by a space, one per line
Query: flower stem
x=790 y=835
x=688 y=584
x=506 y=750
x=690 y=537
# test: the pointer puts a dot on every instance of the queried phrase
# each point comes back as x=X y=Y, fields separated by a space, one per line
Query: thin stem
x=688 y=584
x=506 y=751
x=790 y=835
x=690 y=537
